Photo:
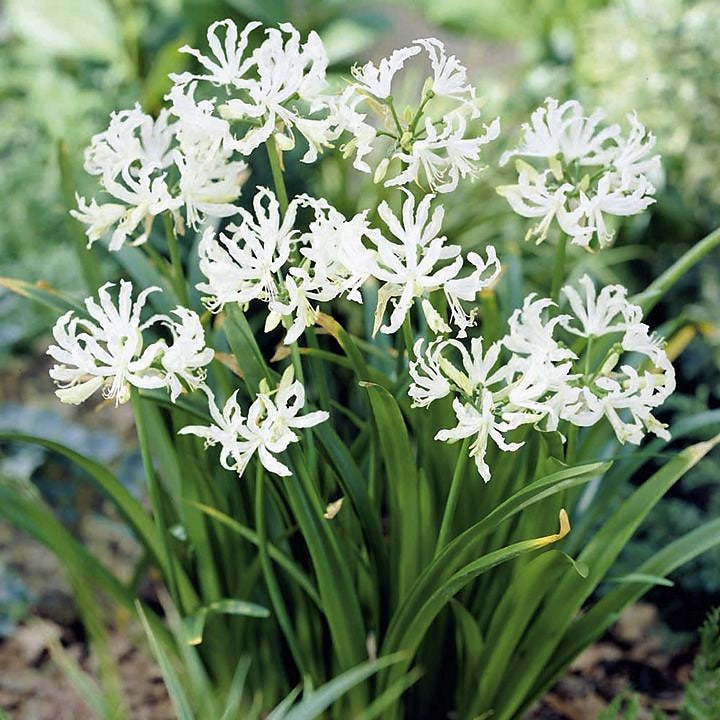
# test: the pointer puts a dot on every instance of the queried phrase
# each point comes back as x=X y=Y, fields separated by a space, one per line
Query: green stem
x=418 y=114
x=178 y=276
x=309 y=439
x=318 y=370
x=389 y=102
x=155 y=496
x=408 y=336
x=652 y=294
x=559 y=270
x=277 y=175
x=453 y=496
x=571 y=447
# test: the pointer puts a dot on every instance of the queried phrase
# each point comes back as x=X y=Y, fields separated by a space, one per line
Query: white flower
x=532 y=198
x=428 y=381
x=481 y=423
x=268 y=429
x=408 y=267
x=532 y=335
x=209 y=185
x=562 y=130
x=628 y=394
x=106 y=350
x=339 y=260
x=377 y=79
x=449 y=75
x=601 y=314
x=343 y=117
x=132 y=138
x=246 y=265
x=186 y=357
x=612 y=199
x=230 y=65
x=422 y=262
x=197 y=124
x=467 y=288
x=300 y=289
x=590 y=172
x=98 y=218
x=630 y=157
x=285 y=70
x=444 y=155
x=224 y=431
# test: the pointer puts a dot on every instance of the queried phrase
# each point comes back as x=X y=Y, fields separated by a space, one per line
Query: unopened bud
x=284 y=142
x=381 y=170
x=556 y=168
x=610 y=362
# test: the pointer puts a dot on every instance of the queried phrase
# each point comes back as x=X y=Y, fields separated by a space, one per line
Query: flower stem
x=278 y=180
x=408 y=336
x=652 y=294
x=155 y=496
x=178 y=276
x=559 y=270
x=453 y=496
x=307 y=433
x=389 y=102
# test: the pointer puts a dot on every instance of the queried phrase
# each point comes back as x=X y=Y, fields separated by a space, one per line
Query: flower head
x=590 y=172
x=267 y=430
x=107 y=349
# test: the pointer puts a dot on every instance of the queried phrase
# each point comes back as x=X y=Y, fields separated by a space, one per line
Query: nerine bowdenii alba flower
x=107 y=349
x=266 y=430
x=533 y=377
x=572 y=170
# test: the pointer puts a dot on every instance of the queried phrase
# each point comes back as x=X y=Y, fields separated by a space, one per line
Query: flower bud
x=284 y=142
x=381 y=170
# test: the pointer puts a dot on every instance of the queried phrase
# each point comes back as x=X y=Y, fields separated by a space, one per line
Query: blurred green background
x=66 y=64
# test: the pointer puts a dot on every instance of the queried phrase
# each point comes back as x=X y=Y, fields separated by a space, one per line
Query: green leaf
x=406 y=537
x=246 y=350
x=510 y=620
x=43 y=294
x=642 y=578
x=292 y=569
x=338 y=591
x=353 y=484
x=539 y=645
x=235 y=693
x=195 y=624
x=412 y=635
x=172 y=681
x=133 y=512
x=593 y=623
x=468 y=544
x=312 y=706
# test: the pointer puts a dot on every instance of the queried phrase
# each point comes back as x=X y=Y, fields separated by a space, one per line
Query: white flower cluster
x=530 y=377
x=152 y=166
x=266 y=258
x=586 y=172
x=261 y=87
x=437 y=150
x=189 y=162
x=187 y=158
x=106 y=350
x=267 y=429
